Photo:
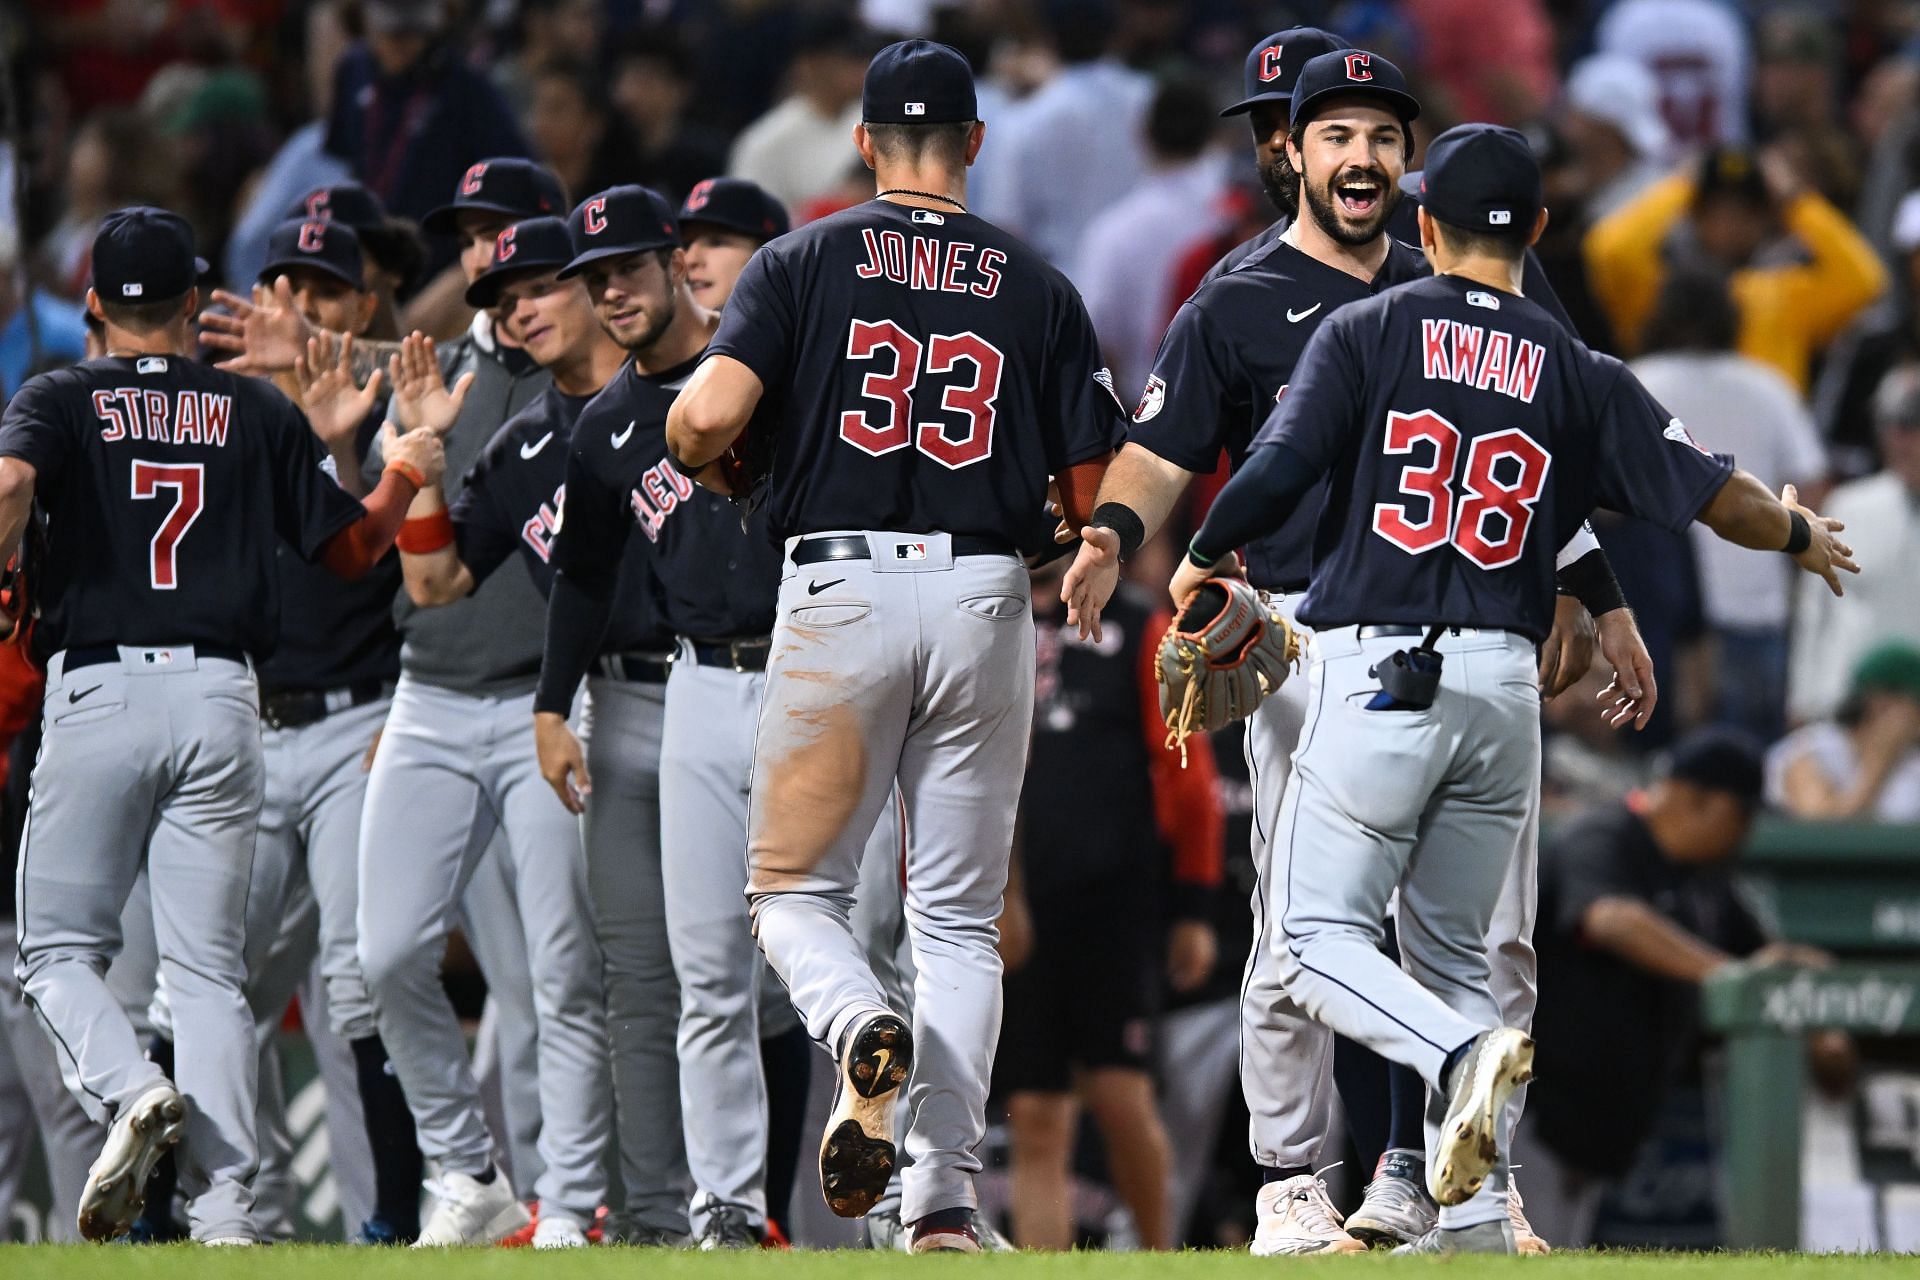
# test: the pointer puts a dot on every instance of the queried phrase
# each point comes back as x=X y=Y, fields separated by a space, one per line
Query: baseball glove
x=747 y=466
x=1228 y=648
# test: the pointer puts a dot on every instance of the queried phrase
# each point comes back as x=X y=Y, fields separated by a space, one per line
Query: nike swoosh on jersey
x=624 y=436
x=1297 y=316
x=81 y=693
x=533 y=450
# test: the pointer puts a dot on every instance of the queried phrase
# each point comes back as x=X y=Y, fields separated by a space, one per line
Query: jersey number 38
x=1499 y=484
x=953 y=443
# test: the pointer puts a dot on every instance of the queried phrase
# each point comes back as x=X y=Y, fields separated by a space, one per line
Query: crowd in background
x=1734 y=193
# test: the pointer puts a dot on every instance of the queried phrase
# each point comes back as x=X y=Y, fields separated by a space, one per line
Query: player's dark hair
x=1180 y=119
x=944 y=143
x=1694 y=312
x=142 y=317
x=1507 y=246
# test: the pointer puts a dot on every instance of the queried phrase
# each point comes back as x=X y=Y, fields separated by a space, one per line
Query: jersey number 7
x=1500 y=484
x=868 y=340
x=187 y=480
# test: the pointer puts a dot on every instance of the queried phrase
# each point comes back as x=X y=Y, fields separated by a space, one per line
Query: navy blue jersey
x=512 y=500
x=930 y=372
x=165 y=485
x=627 y=505
x=1228 y=354
x=335 y=633
x=1467 y=435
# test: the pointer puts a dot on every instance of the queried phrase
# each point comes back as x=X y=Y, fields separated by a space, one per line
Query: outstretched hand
x=335 y=406
x=1633 y=693
x=1091 y=579
x=420 y=395
x=1826 y=556
x=263 y=336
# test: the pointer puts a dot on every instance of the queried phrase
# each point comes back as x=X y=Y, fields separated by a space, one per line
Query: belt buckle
x=733 y=656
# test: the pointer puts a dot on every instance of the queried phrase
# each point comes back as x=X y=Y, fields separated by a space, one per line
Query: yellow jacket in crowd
x=1788 y=313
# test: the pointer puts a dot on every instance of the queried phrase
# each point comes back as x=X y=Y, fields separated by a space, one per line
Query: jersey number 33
x=966 y=434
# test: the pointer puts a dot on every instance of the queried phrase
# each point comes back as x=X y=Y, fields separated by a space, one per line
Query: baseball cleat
x=1483 y=1237
x=469 y=1211
x=1396 y=1208
x=116 y=1184
x=946 y=1231
x=1497 y=1062
x=1296 y=1217
x=559 y=1232
x=229 y=1242
x=727 y=1227
x=1525 y=1238
x=857 y=1154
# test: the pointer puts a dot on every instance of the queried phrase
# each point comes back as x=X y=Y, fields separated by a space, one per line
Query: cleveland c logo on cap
x=702 y=190
x=470 y=185
x=1270 y=63
x=503 y=246
x=1357 y=64
x=313 y=237
x=317 y=204
x=594 y=216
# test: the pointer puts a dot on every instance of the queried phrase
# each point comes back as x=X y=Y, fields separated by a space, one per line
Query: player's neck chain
x=924 y=195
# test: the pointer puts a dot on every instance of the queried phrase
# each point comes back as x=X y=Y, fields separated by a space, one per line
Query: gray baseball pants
x=33 y=1103
x=155 y=759
x=917 y=666
x=506 y=1051
x=451 y=770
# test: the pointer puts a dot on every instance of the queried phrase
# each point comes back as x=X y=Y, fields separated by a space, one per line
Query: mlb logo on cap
x=916 y=108
x=131 y=290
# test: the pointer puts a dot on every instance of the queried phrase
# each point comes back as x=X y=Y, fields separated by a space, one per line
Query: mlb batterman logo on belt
x=1224 y=652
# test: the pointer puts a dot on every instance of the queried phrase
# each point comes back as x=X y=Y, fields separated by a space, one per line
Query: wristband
x=1200 y=561
x=1590 y=580
x=408 y=472
x=691 y=473
x=1800 y=536
x=425 y=535
x=1123 y=520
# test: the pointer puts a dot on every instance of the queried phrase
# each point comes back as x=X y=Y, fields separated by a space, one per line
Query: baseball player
x=392 y=247
x=511 y=500
x=716 y=580
x=723 y=223
x=1467 y=434
x=152 y=734
x=926 y=374
x=1229 y=353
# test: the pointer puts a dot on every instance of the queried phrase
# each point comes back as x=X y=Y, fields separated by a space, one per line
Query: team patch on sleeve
x=1677 y=431
x=1152 y=399
x=1104 y=377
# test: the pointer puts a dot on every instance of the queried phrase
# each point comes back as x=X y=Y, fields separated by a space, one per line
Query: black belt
x=749 y=654
x=1384 y=630
x=819 y=550
x=639 y=668
x=95 y=655
x=298 y=708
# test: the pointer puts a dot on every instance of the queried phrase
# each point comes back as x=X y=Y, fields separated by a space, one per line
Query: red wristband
x=425 y=535
x=408 y=472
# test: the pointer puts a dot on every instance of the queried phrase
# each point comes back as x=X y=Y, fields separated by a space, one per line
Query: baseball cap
x=1351 y=72
x=319 y=245
x=737 y=205
x=509 y=184
x=1720 y=760
x=144 y=254
x=1731 y=171
x=347 y=202
x=1274 y=65
x=1482 y=178
x=918 y=82
x=616 y=222
x=536 y=244
x=1892 y=667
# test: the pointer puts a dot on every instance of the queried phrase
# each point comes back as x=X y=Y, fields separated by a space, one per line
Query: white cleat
x=117 y=1183
x=469 y=1211
x=1497 y=1062
x=857 y=1152
x=1296 y=1217
x=1525 y=1238
x=1486 y=1237
x=229 y=1242
x=559 y=1232
x=1395 y=1209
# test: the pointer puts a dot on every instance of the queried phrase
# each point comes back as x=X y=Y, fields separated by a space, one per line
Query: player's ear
x=1539 y=227
x=189 y=306
x=369 y=303
x=677 y=266
x=976 y=136
x=1425 y=220
x=863 y=143
x=93 y=306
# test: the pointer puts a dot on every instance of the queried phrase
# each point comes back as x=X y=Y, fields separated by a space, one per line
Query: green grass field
x=180 y=1262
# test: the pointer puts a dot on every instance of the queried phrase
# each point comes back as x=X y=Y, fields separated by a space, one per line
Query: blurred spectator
x=652 y=80
x=1490 y=59
x=1865 y=762
x=570 y=122
x=1129 y=253
x=1636 y=909
x=1797 y=100
x=798 y=149
x=1882 y=515
x=53 y=335
x=1733 y=404
x=1612 y=124
x=118 y=159
x=552 y=31
x=1728 y=213
x=1121 y=858
x=1884 y=338
x=1698 y=51
x=409 y=116
x=1075 y=147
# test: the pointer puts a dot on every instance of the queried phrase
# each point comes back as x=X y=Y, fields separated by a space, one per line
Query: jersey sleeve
x=1188 y=402
x=1319 y=413
x=1080 y=418
x=34 y=429
x=1647 y=463
x=309 y=506
x=484 y=531
x=595 y=520
x=757 y=327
